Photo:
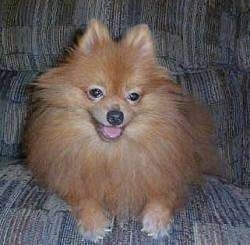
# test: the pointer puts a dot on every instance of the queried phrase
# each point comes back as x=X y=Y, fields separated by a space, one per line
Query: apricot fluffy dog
x=114 y=136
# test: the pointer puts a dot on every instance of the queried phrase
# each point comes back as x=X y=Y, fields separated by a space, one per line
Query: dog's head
x=118 y=84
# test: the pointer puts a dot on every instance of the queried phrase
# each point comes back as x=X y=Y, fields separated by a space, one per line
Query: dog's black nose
x=115 y=117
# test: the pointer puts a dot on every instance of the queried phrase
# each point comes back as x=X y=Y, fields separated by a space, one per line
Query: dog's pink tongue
x=111 y=132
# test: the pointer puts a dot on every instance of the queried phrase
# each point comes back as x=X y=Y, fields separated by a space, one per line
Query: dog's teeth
x=151 y=234
x=107 y=230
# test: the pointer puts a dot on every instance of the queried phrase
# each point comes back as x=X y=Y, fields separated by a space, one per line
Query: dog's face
x=116 y=77
x=112 y=88
x=118 y=84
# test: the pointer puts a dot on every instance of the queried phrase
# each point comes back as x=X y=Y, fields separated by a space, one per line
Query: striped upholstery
x=226 y=92
x=189 y=34
x=206 y=46
x=13 y=109
x=218 y=214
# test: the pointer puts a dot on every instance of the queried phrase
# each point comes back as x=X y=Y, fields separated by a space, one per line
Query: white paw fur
x=94 y=234
x=156 y=222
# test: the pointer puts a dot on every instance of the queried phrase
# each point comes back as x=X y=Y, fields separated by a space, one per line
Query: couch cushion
x=189 y=34
x=216 y=214
x=243 y=37
x=13 y=109
x=226 y=94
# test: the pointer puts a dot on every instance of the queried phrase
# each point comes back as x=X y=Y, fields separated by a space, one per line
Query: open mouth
x=109 y=133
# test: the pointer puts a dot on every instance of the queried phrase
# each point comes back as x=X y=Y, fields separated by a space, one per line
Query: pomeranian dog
x=114 y=136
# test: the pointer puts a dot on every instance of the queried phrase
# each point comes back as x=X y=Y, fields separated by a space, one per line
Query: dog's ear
x=140 y=38
x=96 y=34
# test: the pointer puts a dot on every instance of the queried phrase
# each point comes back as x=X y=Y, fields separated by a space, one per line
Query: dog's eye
x=133 y=97
x=95 y=93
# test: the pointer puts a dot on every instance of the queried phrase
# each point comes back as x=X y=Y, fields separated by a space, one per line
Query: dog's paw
x=94 y=231
x=156 y=220
x=92 y=222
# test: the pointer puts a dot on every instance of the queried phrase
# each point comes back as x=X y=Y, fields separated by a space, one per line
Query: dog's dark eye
x=134 y=96
x=95 y=93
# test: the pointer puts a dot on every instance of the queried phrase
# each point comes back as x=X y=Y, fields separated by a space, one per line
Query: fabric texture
x=205 y=44
x=216 y=214
x=13 y=108
x=188 y=34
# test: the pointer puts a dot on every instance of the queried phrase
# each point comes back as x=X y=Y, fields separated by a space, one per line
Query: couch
x=205 y=44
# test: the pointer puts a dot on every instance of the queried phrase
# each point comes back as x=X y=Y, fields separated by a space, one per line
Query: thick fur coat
x=165 y=140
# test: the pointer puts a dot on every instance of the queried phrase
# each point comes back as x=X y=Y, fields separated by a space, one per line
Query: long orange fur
x=163 y=149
